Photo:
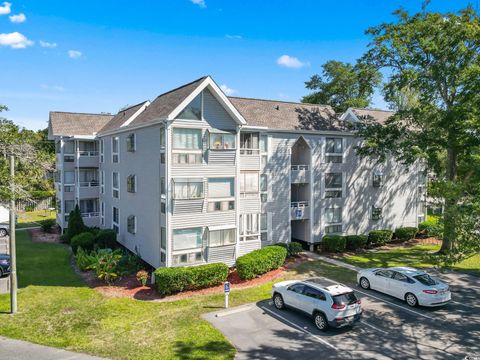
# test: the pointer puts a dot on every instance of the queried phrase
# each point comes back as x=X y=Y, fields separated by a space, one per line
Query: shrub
x=75 y=224
x=142 y=277
x=431 y=227
x=172 y=280
x=405 y=233
x=355 y=242
x=106 y=238
x=260 y=261
x=84 y=240
x=106 y=265
x=85 y=260
x=130 y=263
x=294 y=248
x=334 y=243
x=29 y=208
x=379 y=237
x=48 y=224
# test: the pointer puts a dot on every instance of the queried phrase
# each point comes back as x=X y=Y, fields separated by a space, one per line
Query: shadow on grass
x=190 y=350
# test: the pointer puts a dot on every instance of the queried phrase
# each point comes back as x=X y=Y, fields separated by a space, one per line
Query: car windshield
x=426 y=279
x=347 y=298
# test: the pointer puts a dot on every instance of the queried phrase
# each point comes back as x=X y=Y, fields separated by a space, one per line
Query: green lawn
x=56 y=309
x=31 y=218
x=415 y=256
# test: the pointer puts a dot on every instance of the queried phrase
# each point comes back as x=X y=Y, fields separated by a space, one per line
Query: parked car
x=331 y=306
x=414 y=286
x=4 y=230
x=4 y=264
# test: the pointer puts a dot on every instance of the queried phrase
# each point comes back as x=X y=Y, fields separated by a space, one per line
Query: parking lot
x=389 y=329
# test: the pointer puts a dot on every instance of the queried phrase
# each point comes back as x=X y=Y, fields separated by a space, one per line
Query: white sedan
x=414 y=286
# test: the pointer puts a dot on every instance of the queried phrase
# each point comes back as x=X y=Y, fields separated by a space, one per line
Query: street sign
x=226 y=287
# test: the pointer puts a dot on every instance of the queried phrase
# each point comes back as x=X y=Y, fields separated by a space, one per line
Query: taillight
x=338 y=306
x=430 y=291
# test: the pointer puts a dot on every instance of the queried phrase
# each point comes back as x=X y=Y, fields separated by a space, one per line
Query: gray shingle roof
x=287 y=115
x=122 y=116
x=70 y=123
x=165 y=103
x=377 y=115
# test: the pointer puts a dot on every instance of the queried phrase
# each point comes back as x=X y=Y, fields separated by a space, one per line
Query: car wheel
x=411 y=300
x=3 y=232
x=1 y=273
x=320 y=321
x=364 y=283
x=278 y=301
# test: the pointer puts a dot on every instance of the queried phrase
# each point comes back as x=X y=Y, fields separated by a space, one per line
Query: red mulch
x=129 y=287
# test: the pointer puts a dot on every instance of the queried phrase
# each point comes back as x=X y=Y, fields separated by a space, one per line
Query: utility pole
x=13 y=252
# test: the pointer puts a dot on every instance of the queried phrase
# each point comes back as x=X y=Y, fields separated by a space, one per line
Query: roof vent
x=277 y=107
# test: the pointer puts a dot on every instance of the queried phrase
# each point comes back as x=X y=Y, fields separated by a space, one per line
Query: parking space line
x=300 y=328
x=374 y=327
x=399 y=306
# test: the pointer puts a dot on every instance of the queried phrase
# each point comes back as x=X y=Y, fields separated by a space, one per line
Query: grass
x=416 y=256
x=31 y=218
x=57 y=309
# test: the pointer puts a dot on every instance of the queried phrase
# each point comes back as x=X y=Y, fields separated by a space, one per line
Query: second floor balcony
x=299 y=210
x=299 y=174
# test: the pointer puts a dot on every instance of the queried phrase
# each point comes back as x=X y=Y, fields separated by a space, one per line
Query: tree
x=438 y=57
x=75 y=223
x=343 y=85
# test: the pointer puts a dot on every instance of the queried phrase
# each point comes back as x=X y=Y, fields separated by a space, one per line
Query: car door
x=398 y=285
x=312 y=299
x=381 y=280
x=293 y=295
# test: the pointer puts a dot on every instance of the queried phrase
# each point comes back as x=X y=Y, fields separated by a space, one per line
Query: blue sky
x=94 y=56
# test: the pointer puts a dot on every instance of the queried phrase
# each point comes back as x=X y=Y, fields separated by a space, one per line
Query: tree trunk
x=449 y=230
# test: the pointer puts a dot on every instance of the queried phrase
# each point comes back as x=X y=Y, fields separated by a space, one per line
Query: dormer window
x=192 y=111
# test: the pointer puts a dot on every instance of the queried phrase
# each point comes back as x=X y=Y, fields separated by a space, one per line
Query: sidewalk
x=22 y=350
x=316 y=256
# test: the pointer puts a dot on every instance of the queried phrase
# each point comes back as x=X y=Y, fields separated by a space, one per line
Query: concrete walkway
x=21 y=350
x=316 y=256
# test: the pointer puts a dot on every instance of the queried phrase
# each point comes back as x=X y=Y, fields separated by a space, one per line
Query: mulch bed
x=40 y=236
x=129 y=287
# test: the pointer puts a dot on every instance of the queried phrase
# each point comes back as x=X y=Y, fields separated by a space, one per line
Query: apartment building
x=197 y=177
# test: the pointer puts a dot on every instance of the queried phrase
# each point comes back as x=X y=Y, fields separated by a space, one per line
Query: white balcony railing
x=299 y=204
x=299 y=167
x=87 y=153
x=249 y=151
x=90 y=214
x=93 y=183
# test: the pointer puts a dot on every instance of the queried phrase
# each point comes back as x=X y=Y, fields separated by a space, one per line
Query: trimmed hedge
x=379 y=237
x=260 y=261
x=85 y=240
x=106 y=238
x=172 y=280
x=334 y=243
x=355 y=242
x=405 y=233
x=431 y=227
x=293 y=248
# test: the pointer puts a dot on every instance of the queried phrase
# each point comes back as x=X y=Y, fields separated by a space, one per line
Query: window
x=163 y=257
x=221 y=141
x=102 y=212
x=221 y=187
x=263 y=143
x=333 y=215
x=88 y=178
x=69 y=177
x=69 y=147
x=249 y=143
x=131 y=144
x=190 y=139
x=400 y=277
x=162 y=186
x=333 y=185
x=162 y=158
x=187 y=188
x=102 y=182
x=264 y=227
x=163 y=238
x=249 y=227
x=163 y=207
x=185 y=259
x=249 y=181
x=377 y=180
x=132 y=183
x=116 y=219
x=263 y=188
x=376 y=213
x=132 y=224
x=297 y=288
x=334 y=150
x=89 y=207
x=87 y=148
x=115 y=149
x=187 y=238
x=192 y=111
x=333 y=229
x=313 y=293
x=221 y=237
x=221 y=205
x=385 y=273
x=102 y=150
x=186 y=158
x=69 y=206
x=162 y=137
x=115 y=185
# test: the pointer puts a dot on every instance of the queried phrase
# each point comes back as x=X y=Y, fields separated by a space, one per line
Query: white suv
x=334 y=305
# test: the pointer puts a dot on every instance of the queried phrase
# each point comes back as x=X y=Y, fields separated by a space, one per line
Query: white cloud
x=15 y=40
x=228 y=91
x=200 y=3
x=291 y=62
x=5 y=9
x=46 y=44
x=20 y=18
x=74 y=54
x=53 y=87
x=228 y=36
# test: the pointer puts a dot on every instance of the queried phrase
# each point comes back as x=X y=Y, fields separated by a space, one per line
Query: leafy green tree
x=438 y=57
x=343 y=85
x=75 y=224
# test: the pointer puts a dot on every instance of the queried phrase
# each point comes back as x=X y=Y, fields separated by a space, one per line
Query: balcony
x=91 y=219
x=299 y=210
x=89 y=189
x=299 y=174
x=87 y=158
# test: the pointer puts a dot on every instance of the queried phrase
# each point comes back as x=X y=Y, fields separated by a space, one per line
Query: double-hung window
x=187 y=146
x=132 y=224
x=102 y=182
x=377 y=180
x=102 y=213
x=221 y=194
x=334 y=150
x=249 y=227
x=221 y=141
x=333 y=220
x=221 y=237
x=102 y=150
x=115 y=149
x=249 y=182
x=115 y=185
x=249 y=143
x=333 y=185
x=162 y=137
x=376 y=213
x=187 y=188
x=131 y=143
x=116 y=219
x=264 y=226
x=132 y=183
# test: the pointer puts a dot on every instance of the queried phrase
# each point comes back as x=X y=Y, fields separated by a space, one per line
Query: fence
x=34 y=205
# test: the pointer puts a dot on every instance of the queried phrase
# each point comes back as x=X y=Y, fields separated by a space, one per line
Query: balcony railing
x=299 y=167
x=90 y=214
x=249 y=151
x=87 y=153
x=299 y=204
x=93 y=183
